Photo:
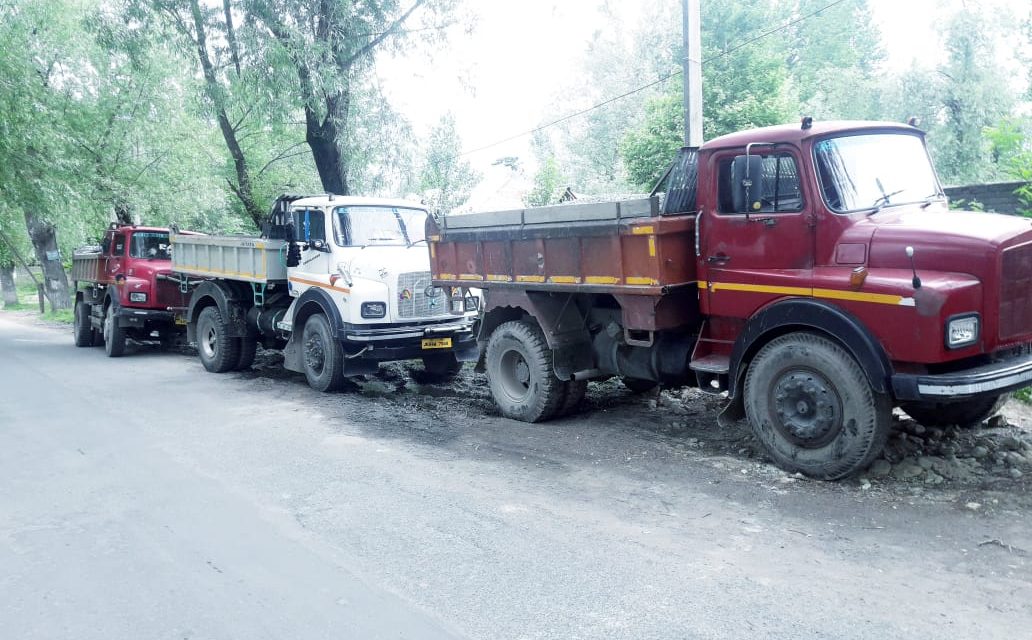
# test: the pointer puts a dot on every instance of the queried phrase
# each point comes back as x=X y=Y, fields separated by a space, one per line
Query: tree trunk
x=7 y=286
x=44 y=242
x=243 y=188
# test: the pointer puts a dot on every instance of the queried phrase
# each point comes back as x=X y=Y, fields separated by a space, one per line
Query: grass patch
x=1025 y=395
x=64 y=316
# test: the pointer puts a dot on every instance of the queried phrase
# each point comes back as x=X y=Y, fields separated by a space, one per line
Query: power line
x=659 y=81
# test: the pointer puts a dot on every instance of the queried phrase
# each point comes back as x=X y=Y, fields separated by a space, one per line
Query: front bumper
x=139 y=318
x=406 y=343
x=986 y=380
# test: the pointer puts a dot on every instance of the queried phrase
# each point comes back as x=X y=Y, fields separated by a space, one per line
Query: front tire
x=322 y=355
x=82 y=329
x=114 y=335
x=441 y=367
x=519 y=370
x=812 y=408
x=966 y=415
x=218 y=351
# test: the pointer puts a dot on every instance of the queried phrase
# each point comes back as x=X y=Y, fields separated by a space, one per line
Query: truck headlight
x=137 y=296
x=374 y=309
x=962 y=331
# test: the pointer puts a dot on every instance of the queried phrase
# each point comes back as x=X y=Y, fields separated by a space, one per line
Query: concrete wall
x=998 y=197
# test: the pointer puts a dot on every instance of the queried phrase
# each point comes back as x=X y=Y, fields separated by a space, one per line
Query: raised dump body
x=256 y=260
x=622 y=247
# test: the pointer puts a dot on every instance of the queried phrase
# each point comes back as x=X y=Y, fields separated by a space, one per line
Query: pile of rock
x=935 y=456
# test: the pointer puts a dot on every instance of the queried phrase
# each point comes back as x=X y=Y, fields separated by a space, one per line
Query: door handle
x=719 y=259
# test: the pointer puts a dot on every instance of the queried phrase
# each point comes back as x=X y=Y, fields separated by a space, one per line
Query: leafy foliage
x=447 y=180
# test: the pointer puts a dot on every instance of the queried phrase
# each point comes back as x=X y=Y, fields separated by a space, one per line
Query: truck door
x=314 y=268
x=756 y=240
x=115 y=258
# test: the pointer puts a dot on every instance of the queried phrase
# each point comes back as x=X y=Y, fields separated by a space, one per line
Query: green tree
x=974 y=95
x=548 y=182
x=327 y=48
x=446 y=180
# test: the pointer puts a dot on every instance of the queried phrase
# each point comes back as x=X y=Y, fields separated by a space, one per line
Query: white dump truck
x=338 y=283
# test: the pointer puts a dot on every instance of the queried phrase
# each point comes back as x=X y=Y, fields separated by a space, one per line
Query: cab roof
x=327 y=200
x=795 y=134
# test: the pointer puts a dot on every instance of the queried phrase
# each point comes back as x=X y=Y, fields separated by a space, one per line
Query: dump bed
x=248 y=259
x=617 y=247
x=86 y=265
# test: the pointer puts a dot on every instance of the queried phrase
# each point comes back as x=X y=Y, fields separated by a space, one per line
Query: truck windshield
x=150 y=245
x=871 y=171
x=383 y=226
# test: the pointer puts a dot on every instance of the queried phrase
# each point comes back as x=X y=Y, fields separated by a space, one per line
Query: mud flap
x=732 y=413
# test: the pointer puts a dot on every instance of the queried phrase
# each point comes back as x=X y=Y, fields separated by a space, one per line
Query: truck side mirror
x=319 y=245
x=747 y=183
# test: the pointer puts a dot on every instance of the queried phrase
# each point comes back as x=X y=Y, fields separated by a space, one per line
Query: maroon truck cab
x=124 y=290
x=812 y=272
x=936 y=304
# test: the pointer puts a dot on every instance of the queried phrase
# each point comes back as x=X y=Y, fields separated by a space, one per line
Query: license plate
x=437 y=343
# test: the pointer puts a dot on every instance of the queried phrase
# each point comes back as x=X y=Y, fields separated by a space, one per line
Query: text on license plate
x=437 y=343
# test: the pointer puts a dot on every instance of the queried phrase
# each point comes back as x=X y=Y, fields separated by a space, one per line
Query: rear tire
x=573 y=395
x=218 y=351
x=966 y=415
x=441 y=367
x=82 y=328
x=322 y=355
x=519 y=370
x=812 y=408
x=248 y=349
x=114 y=335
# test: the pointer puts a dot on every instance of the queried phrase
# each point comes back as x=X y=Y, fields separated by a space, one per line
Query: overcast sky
x=502 y=77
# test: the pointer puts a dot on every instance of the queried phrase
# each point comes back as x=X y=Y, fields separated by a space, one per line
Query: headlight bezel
x=368 y=313
x=975 y=331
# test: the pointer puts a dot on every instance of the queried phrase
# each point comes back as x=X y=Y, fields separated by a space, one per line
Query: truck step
x=713 y=363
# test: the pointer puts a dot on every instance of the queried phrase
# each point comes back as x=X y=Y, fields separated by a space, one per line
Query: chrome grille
x=413 y=301
x=1016 y=292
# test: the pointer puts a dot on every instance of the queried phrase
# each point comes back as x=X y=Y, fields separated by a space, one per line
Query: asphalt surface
x=145 y=498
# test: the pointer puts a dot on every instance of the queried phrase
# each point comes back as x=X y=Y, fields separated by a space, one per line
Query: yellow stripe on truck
x=827 y=294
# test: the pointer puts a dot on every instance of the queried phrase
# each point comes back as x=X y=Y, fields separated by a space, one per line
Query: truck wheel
x=323 y=357
x=218 y=351
x=114 y=335
x=441 y=367
x=519 y=370
x=573 y=395
x=811 y=407
x=248 y=349
x=966 y=415
x=637 y=385
x=82 y=328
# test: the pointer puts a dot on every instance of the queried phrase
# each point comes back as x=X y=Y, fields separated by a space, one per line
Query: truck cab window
x=118 y=246
x=778 y=189
x=310 y=224
x=150 y=245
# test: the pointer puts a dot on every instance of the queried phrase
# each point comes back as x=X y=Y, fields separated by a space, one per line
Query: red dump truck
x=814 y=273
x=122 y=290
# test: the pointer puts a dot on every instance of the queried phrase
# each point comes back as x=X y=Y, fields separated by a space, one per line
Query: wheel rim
x=515 y=375
x=210 y=343
x=315 y=354
x=807 y=409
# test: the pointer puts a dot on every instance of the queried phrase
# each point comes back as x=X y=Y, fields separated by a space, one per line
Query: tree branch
x=391 y=30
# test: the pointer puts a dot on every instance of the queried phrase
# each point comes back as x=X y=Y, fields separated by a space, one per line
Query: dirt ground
x=940 y=464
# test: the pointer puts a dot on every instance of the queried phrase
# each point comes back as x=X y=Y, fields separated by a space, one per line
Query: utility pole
x=692 y=73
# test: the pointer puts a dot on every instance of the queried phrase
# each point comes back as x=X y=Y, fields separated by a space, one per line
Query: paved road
x=144 y=498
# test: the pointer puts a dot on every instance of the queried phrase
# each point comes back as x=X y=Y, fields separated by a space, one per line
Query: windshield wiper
x=935 y=197
x=882 y=201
